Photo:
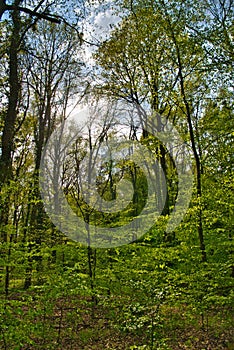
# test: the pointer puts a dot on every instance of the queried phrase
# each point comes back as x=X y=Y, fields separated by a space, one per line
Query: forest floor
x=75 y=324
x=99 y=334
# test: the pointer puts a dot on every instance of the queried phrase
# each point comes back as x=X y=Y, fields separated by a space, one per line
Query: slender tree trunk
x=92 y=269
x=28 y=272
x=195 y=153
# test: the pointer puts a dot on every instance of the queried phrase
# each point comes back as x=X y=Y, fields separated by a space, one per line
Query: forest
x=116 y=174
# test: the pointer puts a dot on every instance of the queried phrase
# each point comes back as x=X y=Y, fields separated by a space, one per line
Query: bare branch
x=41 y=15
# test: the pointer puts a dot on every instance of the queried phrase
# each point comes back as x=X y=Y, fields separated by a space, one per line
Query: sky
x=98 y=25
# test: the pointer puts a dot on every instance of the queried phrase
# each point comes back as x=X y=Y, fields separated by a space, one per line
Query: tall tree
x=19 y=29
x=37 y=92
x=157 y=62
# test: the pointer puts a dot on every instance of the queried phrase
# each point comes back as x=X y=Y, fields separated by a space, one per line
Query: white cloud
x=98 y=25
x=104 y=22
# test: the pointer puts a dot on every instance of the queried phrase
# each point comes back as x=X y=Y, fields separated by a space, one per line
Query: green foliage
x=154 y=293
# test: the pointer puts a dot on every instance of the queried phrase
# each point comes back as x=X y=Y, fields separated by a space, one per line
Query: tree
x=43 y=86
x=18 y=32
x=136 y=59
x=156 y=62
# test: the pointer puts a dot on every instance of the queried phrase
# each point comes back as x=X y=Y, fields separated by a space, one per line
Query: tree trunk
x=195 y=153
x=11 y=114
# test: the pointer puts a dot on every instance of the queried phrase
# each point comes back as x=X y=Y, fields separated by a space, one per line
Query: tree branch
x=41 y=15
x=4 y=7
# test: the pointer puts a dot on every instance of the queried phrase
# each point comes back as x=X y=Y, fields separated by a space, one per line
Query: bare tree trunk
x=3 y=7
x=8 y=136
x=11 y=114
x=195 y=153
